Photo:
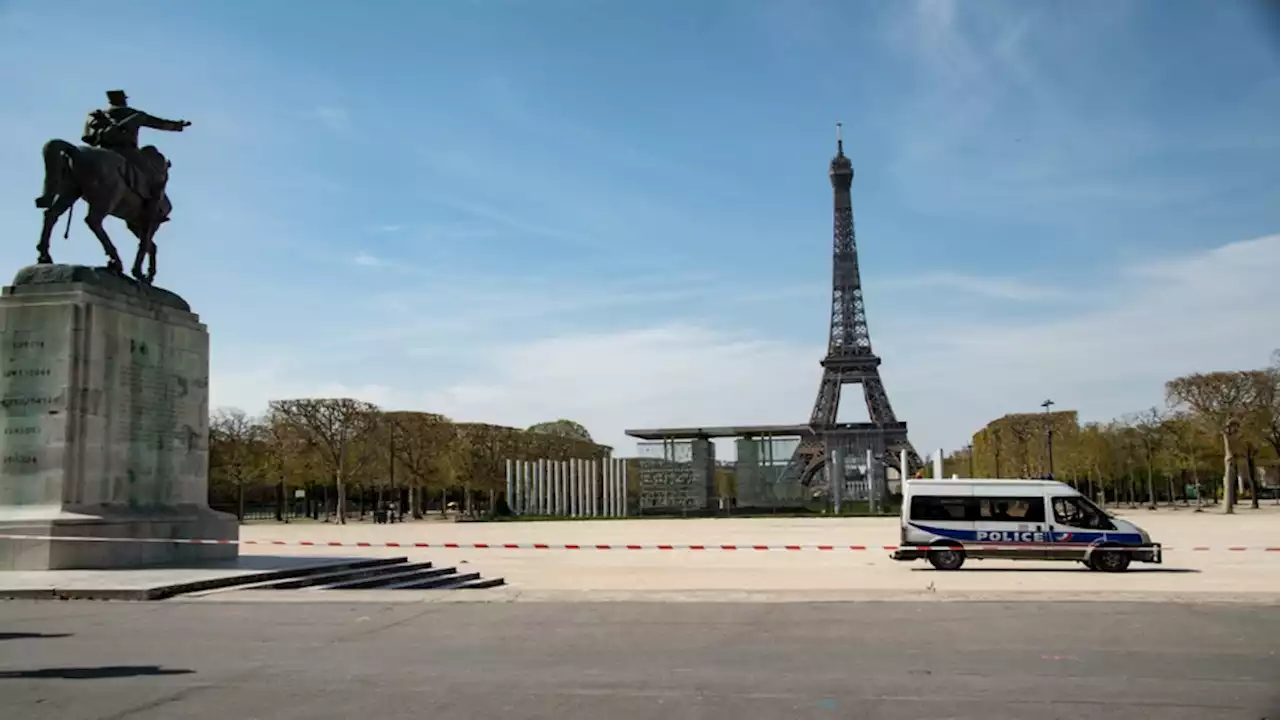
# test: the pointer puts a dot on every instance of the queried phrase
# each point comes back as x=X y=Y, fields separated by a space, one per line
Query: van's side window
x=1011 y=509
x=1075 y=512
x=933 y=507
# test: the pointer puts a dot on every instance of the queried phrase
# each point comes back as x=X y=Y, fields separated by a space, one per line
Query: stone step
x=481 y=584
x=392 y=581
x=443 y=583
x=345 y=575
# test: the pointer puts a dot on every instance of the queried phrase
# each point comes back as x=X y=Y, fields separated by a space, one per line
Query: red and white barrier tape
x=598 y=546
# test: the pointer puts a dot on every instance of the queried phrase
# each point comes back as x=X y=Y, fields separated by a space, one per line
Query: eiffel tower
x=849 y=360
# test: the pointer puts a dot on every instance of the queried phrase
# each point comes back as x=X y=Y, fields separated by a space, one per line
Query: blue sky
x=618 y=212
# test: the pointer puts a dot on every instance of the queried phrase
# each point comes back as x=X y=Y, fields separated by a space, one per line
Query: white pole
x=937 y=465
x=606 y=486
x=619 y=490
x=611 y=484
x=556 y=478
x=835 y=473
x=902 y=471
x=873 y=496
x=623 y=482
x=547 y=495
x=510 y=484
x=574 y=480
x=597 y=499
x=539 y=490
x=522 y=486
x=529 y=487
x=551 y=485
x=564 y=488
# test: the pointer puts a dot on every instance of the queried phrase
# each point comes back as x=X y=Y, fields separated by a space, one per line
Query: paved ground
x=559 y=575
x=625 y=661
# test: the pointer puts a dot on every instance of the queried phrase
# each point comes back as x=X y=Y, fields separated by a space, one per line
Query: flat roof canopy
x=721 y=432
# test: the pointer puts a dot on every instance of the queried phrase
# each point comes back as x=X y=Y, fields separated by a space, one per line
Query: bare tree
x=336 y=427
x=428 y=448
x=1149 y=430
x=1184 y=433
x=1221 y=400
x=236 y=442
x=1267 y=405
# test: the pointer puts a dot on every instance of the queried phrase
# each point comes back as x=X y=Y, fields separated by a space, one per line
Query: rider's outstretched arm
x=155 y=123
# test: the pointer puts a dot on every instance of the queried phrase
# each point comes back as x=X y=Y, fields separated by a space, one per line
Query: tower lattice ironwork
x=850 y=359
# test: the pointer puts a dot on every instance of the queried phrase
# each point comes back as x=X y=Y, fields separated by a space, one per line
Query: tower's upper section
x=841 y=168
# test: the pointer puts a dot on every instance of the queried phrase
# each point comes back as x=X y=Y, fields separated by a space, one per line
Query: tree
x=1267 y=405
x=1095 y=457
x=336 y=427
x=487 y=449
x=292 y=461
x=1148 y=430
x=236 y=450
x=1185 y=436
x=428 y=448
x=562 y=428
x=1221 y=400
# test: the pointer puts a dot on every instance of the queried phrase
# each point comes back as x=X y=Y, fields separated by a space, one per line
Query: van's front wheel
x=946 y=558
x=1110 y=560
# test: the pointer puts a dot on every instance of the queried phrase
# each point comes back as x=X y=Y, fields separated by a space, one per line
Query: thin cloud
x=946 y=383
x=334 y=118
x=368 y=260
x=989 y=287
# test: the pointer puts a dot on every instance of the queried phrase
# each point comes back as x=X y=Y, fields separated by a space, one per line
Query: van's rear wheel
x=946 y=558
x=1110 y=560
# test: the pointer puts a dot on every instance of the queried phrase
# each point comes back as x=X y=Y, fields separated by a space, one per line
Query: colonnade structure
x=568 y=488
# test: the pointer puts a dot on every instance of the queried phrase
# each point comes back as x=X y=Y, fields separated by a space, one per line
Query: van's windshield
x=1093 y=505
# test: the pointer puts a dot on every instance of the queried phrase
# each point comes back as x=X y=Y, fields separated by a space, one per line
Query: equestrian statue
x=114 y=177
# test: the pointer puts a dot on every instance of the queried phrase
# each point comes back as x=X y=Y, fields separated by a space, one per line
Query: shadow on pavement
x=92 y=673
x=30 y=635
x=1132 y=571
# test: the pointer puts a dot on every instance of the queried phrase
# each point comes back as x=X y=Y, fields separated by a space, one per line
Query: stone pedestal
x=104 y=423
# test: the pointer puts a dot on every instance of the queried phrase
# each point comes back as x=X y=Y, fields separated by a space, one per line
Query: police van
x=1016 y=520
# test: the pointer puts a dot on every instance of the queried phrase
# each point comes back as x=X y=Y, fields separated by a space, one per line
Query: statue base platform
x=124 y=538
x=104 y=424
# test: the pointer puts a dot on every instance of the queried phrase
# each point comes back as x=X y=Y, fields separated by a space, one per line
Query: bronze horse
x=97 y=176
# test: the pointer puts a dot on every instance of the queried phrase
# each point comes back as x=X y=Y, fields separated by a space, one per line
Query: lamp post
x=1049 y=432
x=969 y=449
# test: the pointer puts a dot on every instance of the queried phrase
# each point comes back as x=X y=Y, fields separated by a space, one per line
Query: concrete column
x=619 y=490
x=595 y=488
x=573 y=487
x=522 y=489
x=606 y=492
x=626 y=486
x=538 y=487
x=564 y=488
x=551 y=485
x=835 y=472
x=937 y=465
x=549 y=475
x=873 y=491
x=531 y=485
x=558 y=495
x=622 y=487
x=511 y=484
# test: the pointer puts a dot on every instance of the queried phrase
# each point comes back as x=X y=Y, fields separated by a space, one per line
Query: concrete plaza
x=1188 y=574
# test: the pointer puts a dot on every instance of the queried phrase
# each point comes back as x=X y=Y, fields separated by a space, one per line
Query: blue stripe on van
x=1020 y=537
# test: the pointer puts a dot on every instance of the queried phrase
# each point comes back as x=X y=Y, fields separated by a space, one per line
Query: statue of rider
x=116 y=128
